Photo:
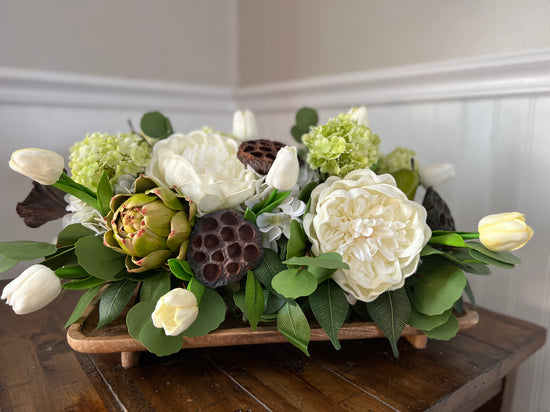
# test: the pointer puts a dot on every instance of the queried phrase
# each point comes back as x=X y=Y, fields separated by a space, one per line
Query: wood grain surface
x=40 y=372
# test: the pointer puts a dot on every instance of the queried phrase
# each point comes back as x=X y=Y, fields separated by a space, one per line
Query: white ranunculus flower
x=372 y=224
x=205 y=168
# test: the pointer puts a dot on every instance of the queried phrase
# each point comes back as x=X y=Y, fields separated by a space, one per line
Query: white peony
x=205 y=168
x=372 y=224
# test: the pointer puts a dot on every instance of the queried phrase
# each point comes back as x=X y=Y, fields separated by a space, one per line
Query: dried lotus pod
x=439 y=215
x=259 y=154
x=223 y=247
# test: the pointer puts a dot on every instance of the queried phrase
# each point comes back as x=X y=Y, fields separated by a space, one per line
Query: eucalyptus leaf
x=391 y=312
x=297 y=133
x=82 y=304
x=181 y=269
x=26 y=249
x=153 y=288
x=489 y=260
x=156 y=125
x=293 y=325
x=330 y=308
x=196 y=288
x=328 y=260
x=85 y=283
x=156 y=341
x=321 y=274
x=306 y=117
x=254 y=300
x=138 y=317
x=240 y=300
x=7 y=263
x=446 y=331
x=425 y=322
x=97 y=259
x=211 y=314
x=269 y=266
x=503 y=257
x=114 y=299
x=272 y=303
x=438 y=288
x=104 y=194
x=70 y=234
x=294 y=283
x=297 y=241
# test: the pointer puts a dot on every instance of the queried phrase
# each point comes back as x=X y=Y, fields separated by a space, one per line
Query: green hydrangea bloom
x=400 y=158
x=341 y=146
x=114 y=155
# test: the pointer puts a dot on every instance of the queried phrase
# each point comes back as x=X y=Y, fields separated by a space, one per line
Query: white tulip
x=41 y=165
x=360 y=114
x=244 y=125
x=175 y=311
x=284 y=171
x=32 y=290
x=436 y=174
x=504 y=231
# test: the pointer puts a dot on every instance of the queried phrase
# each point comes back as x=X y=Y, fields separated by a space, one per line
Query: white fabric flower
x=372 y=224
x=205 y=168
x=175 y=311
x=277 y=223
x=84 y=214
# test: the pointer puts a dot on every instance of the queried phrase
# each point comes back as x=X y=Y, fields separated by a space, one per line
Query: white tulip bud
x=360 y=114
x=436 y=174
x=504 y=231
x=175 y=311
x=41 y=165
x=244 y=125
x=32 y=290
x=284 y=171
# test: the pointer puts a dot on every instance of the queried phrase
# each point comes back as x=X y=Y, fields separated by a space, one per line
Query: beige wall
x=185 y=40
x=291 y=39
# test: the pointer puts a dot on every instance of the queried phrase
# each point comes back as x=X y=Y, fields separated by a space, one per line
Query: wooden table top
x=40 y=372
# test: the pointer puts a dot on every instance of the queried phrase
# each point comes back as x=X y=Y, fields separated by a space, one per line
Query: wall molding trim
x=34 y=87
x=517 y=74
x=526 y=73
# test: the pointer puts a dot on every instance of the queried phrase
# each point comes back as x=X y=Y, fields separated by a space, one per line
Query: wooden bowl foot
x=418 y=341
x=129 y=359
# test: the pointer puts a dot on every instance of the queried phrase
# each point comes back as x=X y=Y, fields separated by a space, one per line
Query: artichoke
x=150 y=226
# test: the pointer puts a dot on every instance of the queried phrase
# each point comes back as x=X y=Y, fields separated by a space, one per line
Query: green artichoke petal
x=151 y=261
x=125 y=243
x=109 y=240
x=146 y=241
x=183 y=250
x=117 y=201
x=192 y=212
x=139 y=199
x=180 y=230
x=144 y=183
x=157 y=217
x=169 y=198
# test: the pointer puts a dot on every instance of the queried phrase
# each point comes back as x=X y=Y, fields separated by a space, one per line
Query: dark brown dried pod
x=43 y=203
x=223 y=247
x=259 y=154
x=439 y=215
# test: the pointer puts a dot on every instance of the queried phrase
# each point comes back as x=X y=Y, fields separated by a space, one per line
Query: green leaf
x=254 y=300
x=104 y=194
x=407 y=181
x=240 y=300
x=328 y=260
x=272 y=302
x=305 y=194
x=294 y=283
x=26 y=249
x=297 y=133
x=277 y=200
x=293 y=325
x=156 y=341
x=97 y=259
x=446 y=331
x=211 y=314
x=197 y=288
x=476 y=269
x=428 y=251
x=181 y=269
x=296 y=245
x=507 y=260
x=138 y=317
x=63 y=257
x=306 y=117
x=114 y=299
x=391 y=311
x=153 y=288
x=439 y=287
x=82 y=304
x=425 y=322
x=7 y=263
x=269 y=266
x=156 y=125
x=66 y=184
x=71 y=272
x=250 y=215
x=470 y=293
x=449 y=239
x=86 y=283
x=321 y=274
x=330 y=307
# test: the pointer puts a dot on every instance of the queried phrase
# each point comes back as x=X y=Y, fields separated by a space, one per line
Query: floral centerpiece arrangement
x=191 y=229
